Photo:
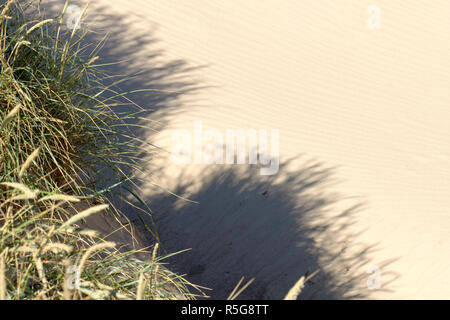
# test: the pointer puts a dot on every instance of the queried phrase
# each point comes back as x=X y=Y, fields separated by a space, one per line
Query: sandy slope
x=373 y=106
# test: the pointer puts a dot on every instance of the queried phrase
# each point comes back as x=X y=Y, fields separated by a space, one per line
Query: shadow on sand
x=274 y=229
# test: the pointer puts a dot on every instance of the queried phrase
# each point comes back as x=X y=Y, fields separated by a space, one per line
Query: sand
x=362 y=193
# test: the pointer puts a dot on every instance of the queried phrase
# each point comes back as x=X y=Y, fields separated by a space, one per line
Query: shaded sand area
x=363 y=188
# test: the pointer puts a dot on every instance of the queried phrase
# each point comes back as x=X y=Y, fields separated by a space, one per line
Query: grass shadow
x=274 y=229
x=271 y=229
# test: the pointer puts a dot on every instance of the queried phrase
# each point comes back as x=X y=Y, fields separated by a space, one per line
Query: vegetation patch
x=60 y=132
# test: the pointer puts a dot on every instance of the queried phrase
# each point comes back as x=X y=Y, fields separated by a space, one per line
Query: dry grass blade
x=141 y=287
x=3 y=275
x=67 y=293
x=10 y=116
x=82 y=215
x=295 y=291
x=89 y=233
x=18 y=186
x=27 y=194
x=92 y=249
x=57 y=246
x=29 y=161
x=236 y=291
x=7 y=7
x=38 y=25
x=60 y=197
x=155 y=251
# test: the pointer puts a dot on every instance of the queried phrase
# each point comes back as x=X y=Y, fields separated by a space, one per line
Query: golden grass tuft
x=59 y=133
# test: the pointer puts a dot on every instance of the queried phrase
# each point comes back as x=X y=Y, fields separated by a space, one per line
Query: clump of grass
x=59 y=133
x=46 y=255
x=51 y=98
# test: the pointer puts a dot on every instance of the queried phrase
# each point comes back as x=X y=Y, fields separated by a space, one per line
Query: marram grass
x=59 y=132
x=46 y=255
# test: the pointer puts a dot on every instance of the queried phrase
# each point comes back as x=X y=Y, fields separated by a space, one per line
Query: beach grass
x=60 y=133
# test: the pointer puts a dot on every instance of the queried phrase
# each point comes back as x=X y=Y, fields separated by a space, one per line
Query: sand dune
x=364 y=124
